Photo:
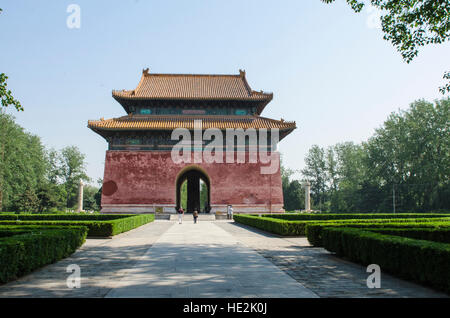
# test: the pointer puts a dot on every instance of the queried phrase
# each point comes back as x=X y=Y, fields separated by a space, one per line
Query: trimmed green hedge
x=100 y=228
x=298 y=228
x=418 y=260
x=63 y=217
x=314 y=230
x=415 y=246
x=439 y=234
x=276 y=226
x=25 y=249
x=346 y=216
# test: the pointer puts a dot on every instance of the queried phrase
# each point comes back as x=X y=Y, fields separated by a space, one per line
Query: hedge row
x=418 y=260
x=65 y=217
x=314 y=230
x=281 y=227
x=24 y=249
x=298 y=228
x=126 y=224
x=95 y=228
x=346 y=216
x=439 y=234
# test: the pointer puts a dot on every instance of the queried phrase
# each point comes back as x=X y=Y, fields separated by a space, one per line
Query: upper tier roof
x=193 y=87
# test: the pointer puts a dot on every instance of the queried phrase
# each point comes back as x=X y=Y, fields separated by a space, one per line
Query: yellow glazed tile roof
x=165 y=122
x=194 y=87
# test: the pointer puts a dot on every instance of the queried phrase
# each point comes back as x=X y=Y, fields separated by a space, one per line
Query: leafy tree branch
x=411 y=24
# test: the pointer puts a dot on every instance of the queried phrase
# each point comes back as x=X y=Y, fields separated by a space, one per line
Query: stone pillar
x=80 y=197
x=307 y=187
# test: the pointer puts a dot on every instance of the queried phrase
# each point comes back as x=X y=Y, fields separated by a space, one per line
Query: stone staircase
x=162 y=216
x=189 y=217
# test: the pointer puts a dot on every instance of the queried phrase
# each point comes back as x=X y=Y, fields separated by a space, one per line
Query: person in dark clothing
x=195 y=214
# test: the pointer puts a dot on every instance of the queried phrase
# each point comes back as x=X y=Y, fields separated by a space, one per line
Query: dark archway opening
x=194 y=179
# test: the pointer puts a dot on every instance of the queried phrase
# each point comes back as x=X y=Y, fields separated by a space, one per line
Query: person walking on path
x=180 y=215
x=195 y=214
x=230 y=212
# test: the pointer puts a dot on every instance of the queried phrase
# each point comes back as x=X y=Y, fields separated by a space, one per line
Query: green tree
x=53 y=160
x=203 y=195
x=332 y=169
x=98 y=198
x=315 y=172
x=411 y=153
x=293 y=194
x=27 y=201
x=406 y=162
x=286 y=174
x=6 y=99
x=6 y=96
x=446 y=88
x=73 y=169
x=294 y=198
x=89 y=198
x=411 y=24
x=183 y=195
x=51 y=196
x=352 y=176
x=22 y=164
x=98 y=195
x=332 y=175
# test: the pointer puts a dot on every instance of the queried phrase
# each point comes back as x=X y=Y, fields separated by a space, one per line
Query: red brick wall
x=149 y=178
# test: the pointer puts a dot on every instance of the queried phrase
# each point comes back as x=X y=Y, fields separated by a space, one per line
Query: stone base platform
x=169 y=209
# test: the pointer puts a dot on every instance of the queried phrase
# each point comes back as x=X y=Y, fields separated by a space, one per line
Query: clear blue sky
x=328 y=69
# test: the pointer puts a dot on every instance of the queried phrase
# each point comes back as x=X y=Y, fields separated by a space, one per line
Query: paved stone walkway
x=163 y=259
x=208 y=259
x=102 y=263
x=319 y=270
x=203 y=260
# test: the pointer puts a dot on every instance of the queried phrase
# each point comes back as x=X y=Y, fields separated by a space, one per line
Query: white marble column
x=80 y=197
x=307 y=187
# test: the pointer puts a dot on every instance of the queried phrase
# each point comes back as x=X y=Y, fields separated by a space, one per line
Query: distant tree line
x=404 y=166
x=293 y=192
x=35 y=179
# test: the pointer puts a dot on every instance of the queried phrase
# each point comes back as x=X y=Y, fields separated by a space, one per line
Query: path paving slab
x=102 y=263
x=202 y=260
x=165 y=259
x=321 y=271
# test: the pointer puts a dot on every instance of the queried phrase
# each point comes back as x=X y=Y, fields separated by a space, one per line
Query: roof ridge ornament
x=241 y=73
x=145 y=71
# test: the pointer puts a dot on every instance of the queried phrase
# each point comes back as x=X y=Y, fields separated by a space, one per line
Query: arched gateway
x=192 y=176
x=141 y=175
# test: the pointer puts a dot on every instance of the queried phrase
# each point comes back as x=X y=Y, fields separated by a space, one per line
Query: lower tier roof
x=170 y=122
